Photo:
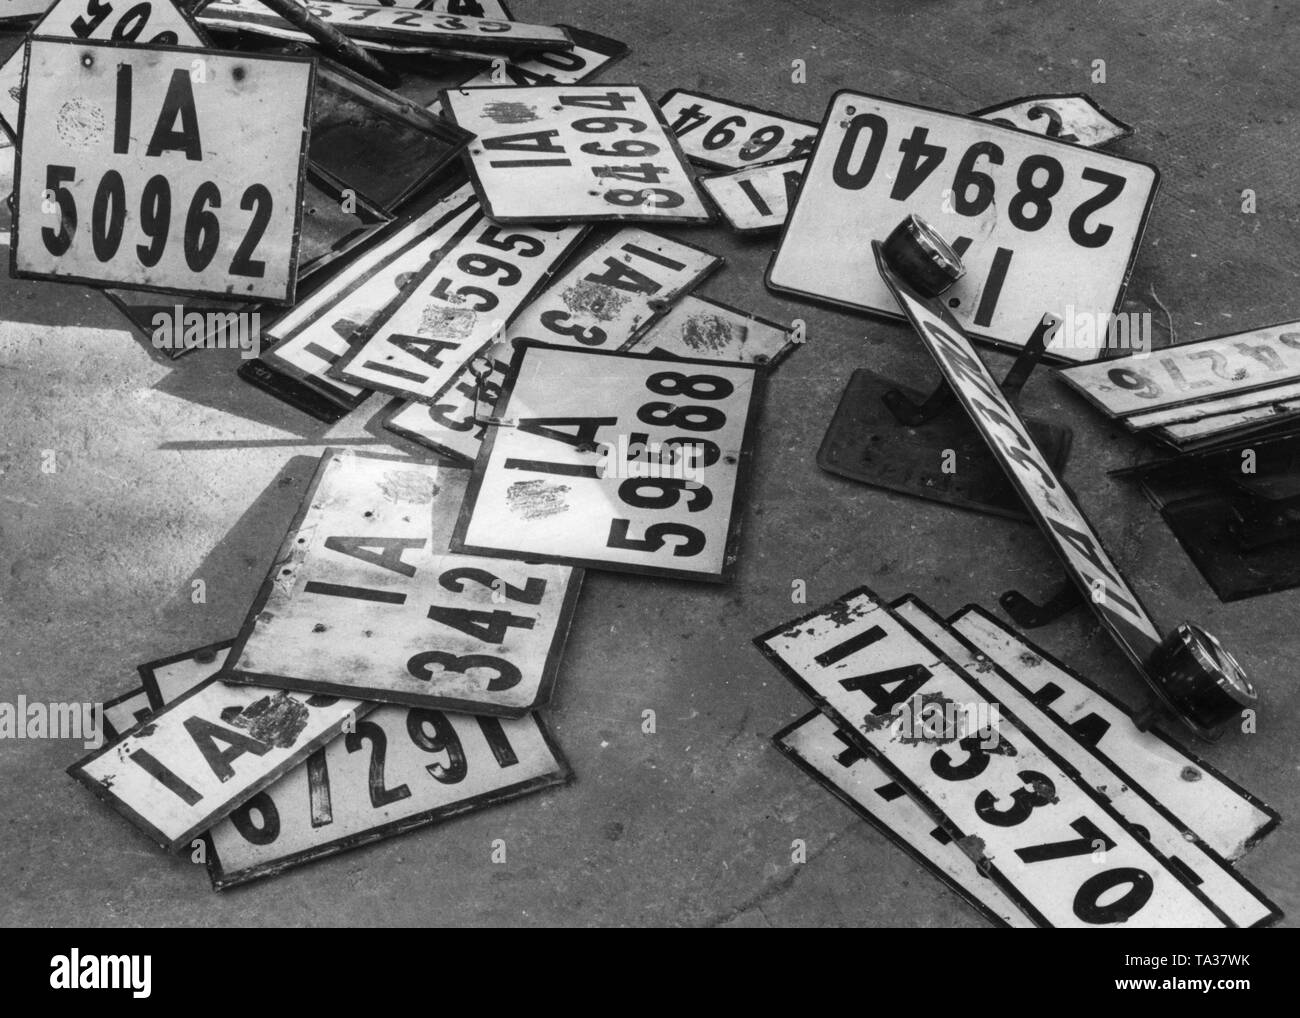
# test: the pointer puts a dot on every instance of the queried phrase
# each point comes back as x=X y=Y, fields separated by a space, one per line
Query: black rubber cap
x=1200 y=679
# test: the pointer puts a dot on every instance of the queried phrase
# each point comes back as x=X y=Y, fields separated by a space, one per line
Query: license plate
x=317 y=332
x=401 y=769
x=125 y=711
x=1052 y=506
x=711 y=330
x=616 y=461
x=364 y=599
x=591 y=54
x=823 y=750
x=758 y=199
x=157 y=21
x=1191 y=372
x=152 y=178
x=1227 y=817
x=1055 y=846
x=1168 y=834
x=193 y=762
x=170 y=678
x=448 y=426
x=474 y=8
x=1073 y=118
x=728 y=136
x=1040 y=225
x=402 y=25
x=458 y=304
x=612 y=295
x=1232 y=425
x=380 y=144
x=1269 y=400
x=576 y=153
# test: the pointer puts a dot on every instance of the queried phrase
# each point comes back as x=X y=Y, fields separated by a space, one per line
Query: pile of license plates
x=488 y=253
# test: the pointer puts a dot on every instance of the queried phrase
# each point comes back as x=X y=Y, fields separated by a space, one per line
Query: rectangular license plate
x=1225 y=816
x=158 y=21
x=448 y=427
x=756 y=199
x=616 y=461
x=1052 y=843
x=725 y=135
x=1040 y=225
x=170 y=678
x=364 y=600
x=708 y=329
x=403 y=768
x=398 y=25
x=1190 y=373
x=1052 y=506
x=1072 y=118
x=193 y=762
x=319 y=330
x=613 y=294
x=822 y=749
x=458 y=304
x=1265 y=398
x=1168 y=834
x=574 y=153
x=162 y=168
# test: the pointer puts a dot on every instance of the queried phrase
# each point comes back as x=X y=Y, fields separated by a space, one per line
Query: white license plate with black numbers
x=170 y=678
x=402 y=768
x=618 y=461
x=124 y=711
x=612 y=294
x=756 y=199
x=1040 y=225
x=162 y=168
x=1072 y=118
x=574 y=153
x=1052 y=843
x=365 y=600
x=1191 y=373
x=197 y=759
x=449 y=425
x=725 y=135
x=1228 y=818
x=153 y=21
x=458 y=304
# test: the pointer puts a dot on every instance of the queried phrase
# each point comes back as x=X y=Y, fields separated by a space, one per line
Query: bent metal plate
x=574 y=153
x=1055 y=845
x=403 y=768
x=193 y=762
x=364 y=600
x=156 y=21
x=1240 y=902
x=639 y=468
x=1227 y=817
x=162 y=168
x=1046 y=498
x=1040 y=225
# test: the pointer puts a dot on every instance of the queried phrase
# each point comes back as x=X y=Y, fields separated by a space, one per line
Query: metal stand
x=895 y=438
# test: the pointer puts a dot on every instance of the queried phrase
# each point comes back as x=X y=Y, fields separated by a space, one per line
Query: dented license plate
x=1054 y=844
x=365 y=600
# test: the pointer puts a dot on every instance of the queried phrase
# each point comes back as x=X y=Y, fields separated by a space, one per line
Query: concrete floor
x=174 y=471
